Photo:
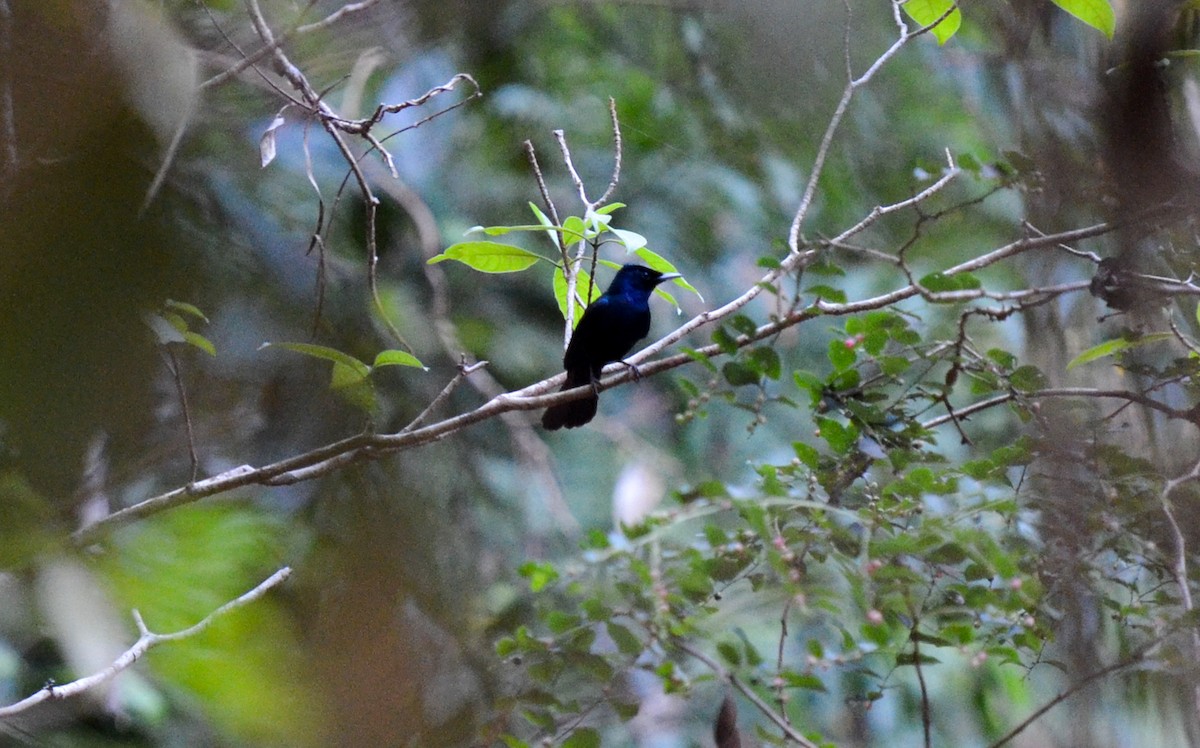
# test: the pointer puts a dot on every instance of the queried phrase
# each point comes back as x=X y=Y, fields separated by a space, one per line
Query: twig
x=1180 y=566
x=544 y=394
x=329 y=121
x=783 y=635
x=616 y=175
x=926 y=716
x=464 y=370
x=146 y=640
x=249 y=59
x=746 y=691
x=173 y=367
x=852 y=85
x=1131 y=659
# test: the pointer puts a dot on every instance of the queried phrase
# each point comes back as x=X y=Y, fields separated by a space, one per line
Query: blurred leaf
x=164 y=331
x=357 y=369
x=199 y=341
x=1095 y=13
x=179 y=566
x=186 y=308
x=266 y=144
x=397 y=358
x=489 y=257
x=583 y=737
x=1111 y=347
x=632 y=241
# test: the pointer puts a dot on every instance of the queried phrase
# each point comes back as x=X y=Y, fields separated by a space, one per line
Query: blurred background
x=405 y=566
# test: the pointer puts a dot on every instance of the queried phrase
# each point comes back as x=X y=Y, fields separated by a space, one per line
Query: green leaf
x=840 y=437
x=765 y=360
x=827 y=292
x=803 y=680
x=909 y=658
x=940 y=282
x=807 y=454
x=489 y=257
x=625 y=640
x=539 y=574
x=186 y=308
x=360 y=369
x=164 y=331
x=724 y=340
x=926 y=12
x=659 y=263
x=1027 y=378
x=582 y=284
x=1095 y=13
x=346 y=376
x=574 y=230
x=559 y=622
x=841 y=355
x=584 y=737
x=201 y=342
x=545 y=221
x=606 y=209
x=730 y=653
x=632 y=240
x=739 y=375
x=1111 y=347
x=393 y=357
x=1107 y=348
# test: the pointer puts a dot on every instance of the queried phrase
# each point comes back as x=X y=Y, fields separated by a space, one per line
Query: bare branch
x=146 y=640
x=173 y=367
x=542 y=394
x=746 y=691
x=249 y=59
x=616 y=175
x=1132 y=659
x=1180 y=565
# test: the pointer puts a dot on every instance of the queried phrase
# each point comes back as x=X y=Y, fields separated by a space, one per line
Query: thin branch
x=746 y=691
x=1132 y=659
x=852 y=84
x=577 y=180
x=249 y=59
x=173 y=367
x=146 y=640
x=1180 y=565
x=616 y=175
x=544 y=394
x=464 y=370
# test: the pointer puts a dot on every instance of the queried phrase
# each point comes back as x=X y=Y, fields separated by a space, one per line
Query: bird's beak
x=666 y=277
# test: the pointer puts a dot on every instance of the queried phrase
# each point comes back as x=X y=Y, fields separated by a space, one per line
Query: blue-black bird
x=609 y=328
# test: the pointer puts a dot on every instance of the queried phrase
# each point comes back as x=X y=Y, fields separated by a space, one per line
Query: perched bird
x=609 y=328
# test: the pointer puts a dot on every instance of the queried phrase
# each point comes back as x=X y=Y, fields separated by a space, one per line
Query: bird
x=608 y=330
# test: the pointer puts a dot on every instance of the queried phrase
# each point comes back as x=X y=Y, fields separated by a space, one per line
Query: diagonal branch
x=145 y=642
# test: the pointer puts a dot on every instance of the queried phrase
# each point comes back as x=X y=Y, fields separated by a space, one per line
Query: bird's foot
x=636 y=372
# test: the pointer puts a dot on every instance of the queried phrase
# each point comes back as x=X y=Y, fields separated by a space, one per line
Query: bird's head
x=638 y=279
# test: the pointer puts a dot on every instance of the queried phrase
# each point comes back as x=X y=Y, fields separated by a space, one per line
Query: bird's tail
x=575 y=413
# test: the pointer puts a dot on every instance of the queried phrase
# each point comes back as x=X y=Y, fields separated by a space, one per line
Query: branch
x=1132 y=659
x=746 y=691
x=852 y=84
x=146 y=640
x=1180 y=567
x=253 y=57
x=543 y=394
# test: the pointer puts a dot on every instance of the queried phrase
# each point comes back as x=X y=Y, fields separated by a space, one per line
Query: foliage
x=911 y=491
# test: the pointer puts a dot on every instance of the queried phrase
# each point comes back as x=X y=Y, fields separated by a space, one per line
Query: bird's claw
x=633 y=370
